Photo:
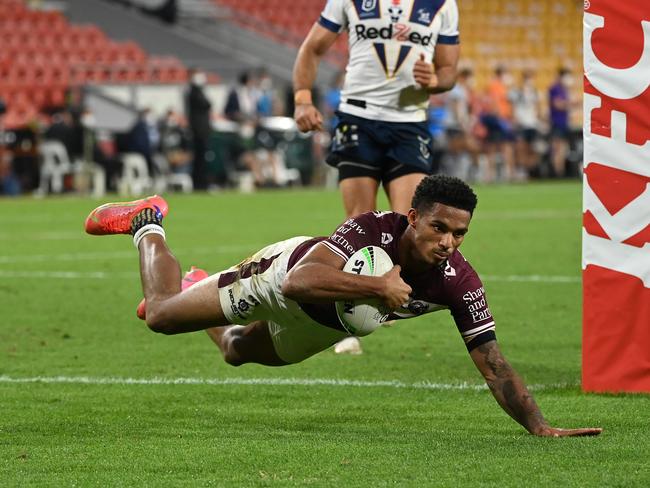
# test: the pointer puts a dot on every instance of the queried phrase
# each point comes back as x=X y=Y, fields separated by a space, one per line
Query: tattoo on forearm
x=517 y=401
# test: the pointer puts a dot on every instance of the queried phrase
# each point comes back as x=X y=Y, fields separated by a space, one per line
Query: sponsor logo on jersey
x=477 y=305
x=424 y=16
x=395 y=11
x=368 y=5
x=424 y=146
x=367 y=9
x=449 y=270
x=424 y=11
x=343 y=242
x=386 y=238
x=399 y=32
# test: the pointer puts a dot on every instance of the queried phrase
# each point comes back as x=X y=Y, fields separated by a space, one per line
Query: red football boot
x=193 y=276
x=115 y=218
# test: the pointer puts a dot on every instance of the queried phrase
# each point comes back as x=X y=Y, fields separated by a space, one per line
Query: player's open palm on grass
x=555 y=432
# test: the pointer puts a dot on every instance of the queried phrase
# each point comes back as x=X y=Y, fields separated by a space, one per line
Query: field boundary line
x=423 y=385
x=128 y=254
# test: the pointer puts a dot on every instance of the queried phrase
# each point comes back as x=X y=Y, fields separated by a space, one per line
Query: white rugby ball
x=361 y=317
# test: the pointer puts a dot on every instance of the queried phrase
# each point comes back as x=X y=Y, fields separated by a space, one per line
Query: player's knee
x=233 y=351
x=159 y=321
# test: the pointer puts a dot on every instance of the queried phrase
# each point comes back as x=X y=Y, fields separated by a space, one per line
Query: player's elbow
x=291 y=286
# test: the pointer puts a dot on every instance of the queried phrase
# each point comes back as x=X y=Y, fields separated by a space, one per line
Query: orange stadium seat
x=42 y=55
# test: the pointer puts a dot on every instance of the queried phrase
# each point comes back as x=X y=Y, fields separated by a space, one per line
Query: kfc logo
x=616 y=197
x=616 y=232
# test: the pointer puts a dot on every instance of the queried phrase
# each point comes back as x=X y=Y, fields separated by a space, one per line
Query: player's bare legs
x=197 y=308
x=168 y=310
x=241 y=344
x=400 y=191
x=359 y=195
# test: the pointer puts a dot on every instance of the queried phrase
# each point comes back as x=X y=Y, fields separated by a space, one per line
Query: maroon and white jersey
x=454 y=285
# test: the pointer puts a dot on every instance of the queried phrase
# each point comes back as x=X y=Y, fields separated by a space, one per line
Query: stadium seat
x=135 y=179
x=56 y=165
x=90 y=173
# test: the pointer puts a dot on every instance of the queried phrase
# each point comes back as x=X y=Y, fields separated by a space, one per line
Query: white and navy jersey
x=386 y=38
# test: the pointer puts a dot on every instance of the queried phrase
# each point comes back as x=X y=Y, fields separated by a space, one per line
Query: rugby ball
x=361 y=317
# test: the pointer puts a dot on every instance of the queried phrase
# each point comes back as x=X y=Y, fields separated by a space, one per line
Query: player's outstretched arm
x=513 y=396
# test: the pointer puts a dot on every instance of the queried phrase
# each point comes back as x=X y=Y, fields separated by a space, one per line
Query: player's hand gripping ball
x=361 y=317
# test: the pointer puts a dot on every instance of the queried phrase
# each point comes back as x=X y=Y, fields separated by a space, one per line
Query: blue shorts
x=381 y=150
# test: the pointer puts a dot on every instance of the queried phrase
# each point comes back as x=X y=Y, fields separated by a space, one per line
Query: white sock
x=146 y=230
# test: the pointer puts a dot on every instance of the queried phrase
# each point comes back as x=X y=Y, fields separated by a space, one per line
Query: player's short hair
x=447 y=190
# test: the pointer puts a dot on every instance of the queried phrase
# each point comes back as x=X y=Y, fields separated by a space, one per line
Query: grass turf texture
x=68 y=309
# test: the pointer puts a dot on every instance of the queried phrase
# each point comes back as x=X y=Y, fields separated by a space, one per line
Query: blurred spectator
x=99 y=147
x=198 y=110
x=144 y=138
x=462 y=148
x=559 y=106
x=25 y=157
x=241 y=104
x=436 y=123
x=253 y=150
x=62 y=129
x=175 y=143
x=526 y=109
x=8 y=182
x=265 y=96
x=331 y=102
x=497 y=120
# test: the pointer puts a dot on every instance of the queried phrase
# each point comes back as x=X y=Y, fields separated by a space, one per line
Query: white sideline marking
x=101 y=275
x=131 y=254
x=533 y=278
x=87 y=380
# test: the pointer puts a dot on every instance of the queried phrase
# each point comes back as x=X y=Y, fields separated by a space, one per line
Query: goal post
x=616 y=197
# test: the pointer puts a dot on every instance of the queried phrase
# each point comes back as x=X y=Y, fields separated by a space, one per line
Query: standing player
x=282 y=298
x=401 y=52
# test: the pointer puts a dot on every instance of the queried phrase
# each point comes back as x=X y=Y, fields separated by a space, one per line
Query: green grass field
x=90 y=397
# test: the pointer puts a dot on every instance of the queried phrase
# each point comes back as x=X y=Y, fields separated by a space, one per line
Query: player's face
x=438 y=232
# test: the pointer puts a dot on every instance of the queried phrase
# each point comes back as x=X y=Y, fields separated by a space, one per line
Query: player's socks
x=193 y=276
x=116 y=218
x=147 y=221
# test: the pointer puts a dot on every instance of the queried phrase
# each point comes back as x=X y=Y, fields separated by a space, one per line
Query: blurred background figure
x=267 y=102
x=332 y=100
x=62 y=129
x=497 y=119
x=8 y=182
x=526 y=103
x=461 y=159
x=199 y=113
x=559 y=106
x=254 y=149
x=175 y=144
x=144 y=138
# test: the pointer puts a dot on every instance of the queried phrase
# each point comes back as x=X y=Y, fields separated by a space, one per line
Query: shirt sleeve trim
x=336 y=250
x=448 y=40
x=480 y=340
x=478 y=330
x=329 y=25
